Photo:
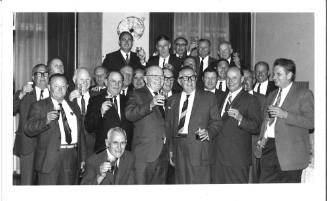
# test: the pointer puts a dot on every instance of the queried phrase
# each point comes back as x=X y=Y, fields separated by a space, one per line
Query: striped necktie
x=183 y=115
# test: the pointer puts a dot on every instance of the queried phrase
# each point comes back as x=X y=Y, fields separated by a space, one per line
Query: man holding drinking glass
x=240 y=113
x=192 y=121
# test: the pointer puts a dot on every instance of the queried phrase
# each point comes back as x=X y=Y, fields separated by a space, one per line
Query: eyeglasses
x=188 y=78
x=41 y=74
x=169 y=79
x=156 y=76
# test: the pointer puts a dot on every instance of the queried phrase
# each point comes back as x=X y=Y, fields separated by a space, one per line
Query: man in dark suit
x=113 y=165
x=81 y=96
x=241 y=118
x=263 y=85
x=123 y=56
x=225 y=51
x=56 y=123
x=210 y=78
x=192 y=121
x=100 y=75
x=248 y=82
x=222 y=67
x=106 y=111
x=145 y=110
x=284 y=137
x=191 y=62
x=165 y=59
x=127 y=72
x=25 y=146
x=203 y=60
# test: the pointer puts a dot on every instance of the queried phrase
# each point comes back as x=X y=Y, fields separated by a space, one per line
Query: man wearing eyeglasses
x=114 y=165
x=145 y=109
x=24 y=146
x=192 y=121
x=180 y=45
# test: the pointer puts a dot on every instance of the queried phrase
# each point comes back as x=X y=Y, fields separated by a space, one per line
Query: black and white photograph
x=136 y=100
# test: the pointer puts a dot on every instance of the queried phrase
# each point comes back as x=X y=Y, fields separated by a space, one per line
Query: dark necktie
x=229 y=101
x=183 y=115
x=41 y=95
x=163 y=63
x=271 y=120
x=127 y=59
x=258 y=89
x=115 y=172
x=83 y=105
x=162 y=111
x=68 y=135
x=201 y=66
x=220 y=88
x=115 y=102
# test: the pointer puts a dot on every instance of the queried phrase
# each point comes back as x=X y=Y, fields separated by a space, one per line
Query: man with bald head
x=24 y=146
x=113 y=165
x=145 y=110
x=56 y=123
x=127 y=72
x=106 y=110
x=192 y=122
x=241 y=118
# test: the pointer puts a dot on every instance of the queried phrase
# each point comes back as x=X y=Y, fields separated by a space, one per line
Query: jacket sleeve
x=16 y=103
x=36 y=123
x=90 y=175
x=93 y=118
x=252 y=118
x=303 y=118
x=135 y=111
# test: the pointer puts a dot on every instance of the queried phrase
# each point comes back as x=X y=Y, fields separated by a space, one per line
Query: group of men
x=174 y=119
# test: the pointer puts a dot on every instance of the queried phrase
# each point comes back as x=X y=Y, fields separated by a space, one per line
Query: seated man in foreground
x=112 y=165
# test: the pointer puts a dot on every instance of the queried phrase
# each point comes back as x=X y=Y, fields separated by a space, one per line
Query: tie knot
x=155 y=93
x=187 y=96
x=60 y=105
x=42 y=90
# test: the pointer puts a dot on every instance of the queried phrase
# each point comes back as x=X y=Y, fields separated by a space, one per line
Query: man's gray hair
x=116 y=129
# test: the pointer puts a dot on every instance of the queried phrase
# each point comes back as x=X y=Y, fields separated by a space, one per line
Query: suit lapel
x=197 y=97
x=290 y=97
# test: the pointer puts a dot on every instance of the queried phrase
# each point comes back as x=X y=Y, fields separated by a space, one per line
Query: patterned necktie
x=68 y=135
x=41 y=95
x=271 y=120
x=162 y=111
x=258 y=89
x=83 y=105
x=229 y=101
x=127 y=59
x=183 y=115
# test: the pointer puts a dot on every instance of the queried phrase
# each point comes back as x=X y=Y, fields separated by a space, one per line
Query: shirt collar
x=286 y=89
x=124 y=53
x=235 y=93
x=212 y=90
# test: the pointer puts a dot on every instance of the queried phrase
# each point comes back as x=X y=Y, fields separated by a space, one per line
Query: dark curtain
x=160 y=23
x=61 y=40
x=240 y=36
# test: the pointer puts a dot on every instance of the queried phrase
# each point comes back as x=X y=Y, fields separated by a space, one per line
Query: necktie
x=258 y=89
x=127 y=59
x=163 y=63
x=115 y=172
x=115 y=102
x=162 y=111
x=229 y=101
x=68 y=135
x=41 y=95
x=201 y=66
x=83 y=105
x=220 y=88
x=271 y=120
x=183 y=115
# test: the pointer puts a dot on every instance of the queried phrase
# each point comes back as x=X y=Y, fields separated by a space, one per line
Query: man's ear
x=289 y=75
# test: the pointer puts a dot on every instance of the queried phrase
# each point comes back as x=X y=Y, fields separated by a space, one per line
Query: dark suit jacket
x=23 y=144
x=271 y=87
x=204 y=115
x=199 y=83
x=234 y=144
x=125 y=169
x=115 y=61
x=100 y=126
x=48 y=136
x=149 y=126
x=292 y=133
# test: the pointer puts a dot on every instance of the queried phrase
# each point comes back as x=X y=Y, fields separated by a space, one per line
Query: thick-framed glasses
x=188 y=78
x=171 y=79
x=41 y=74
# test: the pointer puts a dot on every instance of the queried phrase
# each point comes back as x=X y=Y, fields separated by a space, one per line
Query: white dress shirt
x=205 y=62
x=270 y=131
x=212 y=91
x=161 y=60
x=124 y=91
x=86 y=97
x=118 y=103
x=124 y=54
x=263 y=87
x=223 y=85
x=233 y=94
x=111 y=157
x=71 y=119
x=188 y=111
x=38 y=93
